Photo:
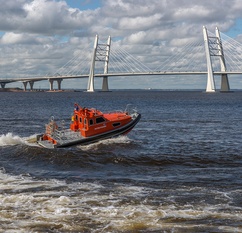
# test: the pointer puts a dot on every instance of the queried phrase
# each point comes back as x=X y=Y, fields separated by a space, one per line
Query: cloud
x=17 y=38
x=41 y=35
x=43 y=17
x=142 y=23
x=118 y=18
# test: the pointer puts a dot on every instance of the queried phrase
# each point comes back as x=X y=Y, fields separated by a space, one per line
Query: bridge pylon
x=210 y=77
x=100 y=53
x=224 y=77
x=213 y=47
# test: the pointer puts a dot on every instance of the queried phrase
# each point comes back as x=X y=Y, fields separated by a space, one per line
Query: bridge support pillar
x=51 y=84
x=105 y=84
x=31 y=83
x=224 y=77
x=224 y=83
x=105 y=71
x=3 y=85
x=210 y=77
x=25 y=85
x=59 y=83
x=90 y=85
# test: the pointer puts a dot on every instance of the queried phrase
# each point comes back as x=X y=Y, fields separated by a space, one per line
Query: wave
x=10 y=139
x=43 y=204
x=111 y=141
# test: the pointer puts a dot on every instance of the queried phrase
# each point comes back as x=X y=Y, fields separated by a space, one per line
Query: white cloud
x=48 y=33
x=54 y=17
x=11 y=38
x=43 y=17
x=137 y=23
x=137 y=38
x=17 y=38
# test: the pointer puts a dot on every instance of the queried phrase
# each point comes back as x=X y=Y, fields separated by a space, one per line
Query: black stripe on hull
x=114 y=133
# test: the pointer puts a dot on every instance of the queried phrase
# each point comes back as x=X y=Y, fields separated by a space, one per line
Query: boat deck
x=62 y=137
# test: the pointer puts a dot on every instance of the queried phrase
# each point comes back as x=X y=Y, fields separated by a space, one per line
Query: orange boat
x=88 y=125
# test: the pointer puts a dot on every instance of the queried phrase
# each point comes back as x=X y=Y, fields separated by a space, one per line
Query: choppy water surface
x=179 y=170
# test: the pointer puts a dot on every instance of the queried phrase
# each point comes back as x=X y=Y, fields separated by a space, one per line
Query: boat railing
x=53 y=129
x=115 y=111
x=130 y=109
x=59 y=134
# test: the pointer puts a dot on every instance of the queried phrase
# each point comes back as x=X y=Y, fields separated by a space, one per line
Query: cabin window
x=100 y=120
x=116 y=124
x=91 y=122
x=85 y=121
x=76 y=117
x=80 y=120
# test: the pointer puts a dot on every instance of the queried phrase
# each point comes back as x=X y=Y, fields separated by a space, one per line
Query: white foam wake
x=9 y=140
x=122 y=139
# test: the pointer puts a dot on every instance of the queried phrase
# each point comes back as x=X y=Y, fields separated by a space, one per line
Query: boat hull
x=88 y=140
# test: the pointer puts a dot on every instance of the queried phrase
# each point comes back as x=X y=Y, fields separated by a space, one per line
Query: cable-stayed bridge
x=214 y=54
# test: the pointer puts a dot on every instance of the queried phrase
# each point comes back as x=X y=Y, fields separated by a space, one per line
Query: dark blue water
x=179 y=170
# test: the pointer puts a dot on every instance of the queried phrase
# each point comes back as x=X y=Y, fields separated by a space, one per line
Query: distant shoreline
x=113 y=90
x=35 y=90
x=11 y=90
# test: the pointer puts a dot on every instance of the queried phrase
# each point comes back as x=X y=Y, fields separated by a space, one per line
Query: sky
x=38 y=37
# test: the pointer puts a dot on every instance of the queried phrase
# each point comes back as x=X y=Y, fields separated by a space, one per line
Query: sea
x=178 y=170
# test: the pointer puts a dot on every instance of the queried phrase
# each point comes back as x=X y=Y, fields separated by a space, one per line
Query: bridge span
x=213 y=48
x=59 y=79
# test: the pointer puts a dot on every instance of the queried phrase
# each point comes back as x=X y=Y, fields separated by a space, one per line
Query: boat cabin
x=91 y=122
